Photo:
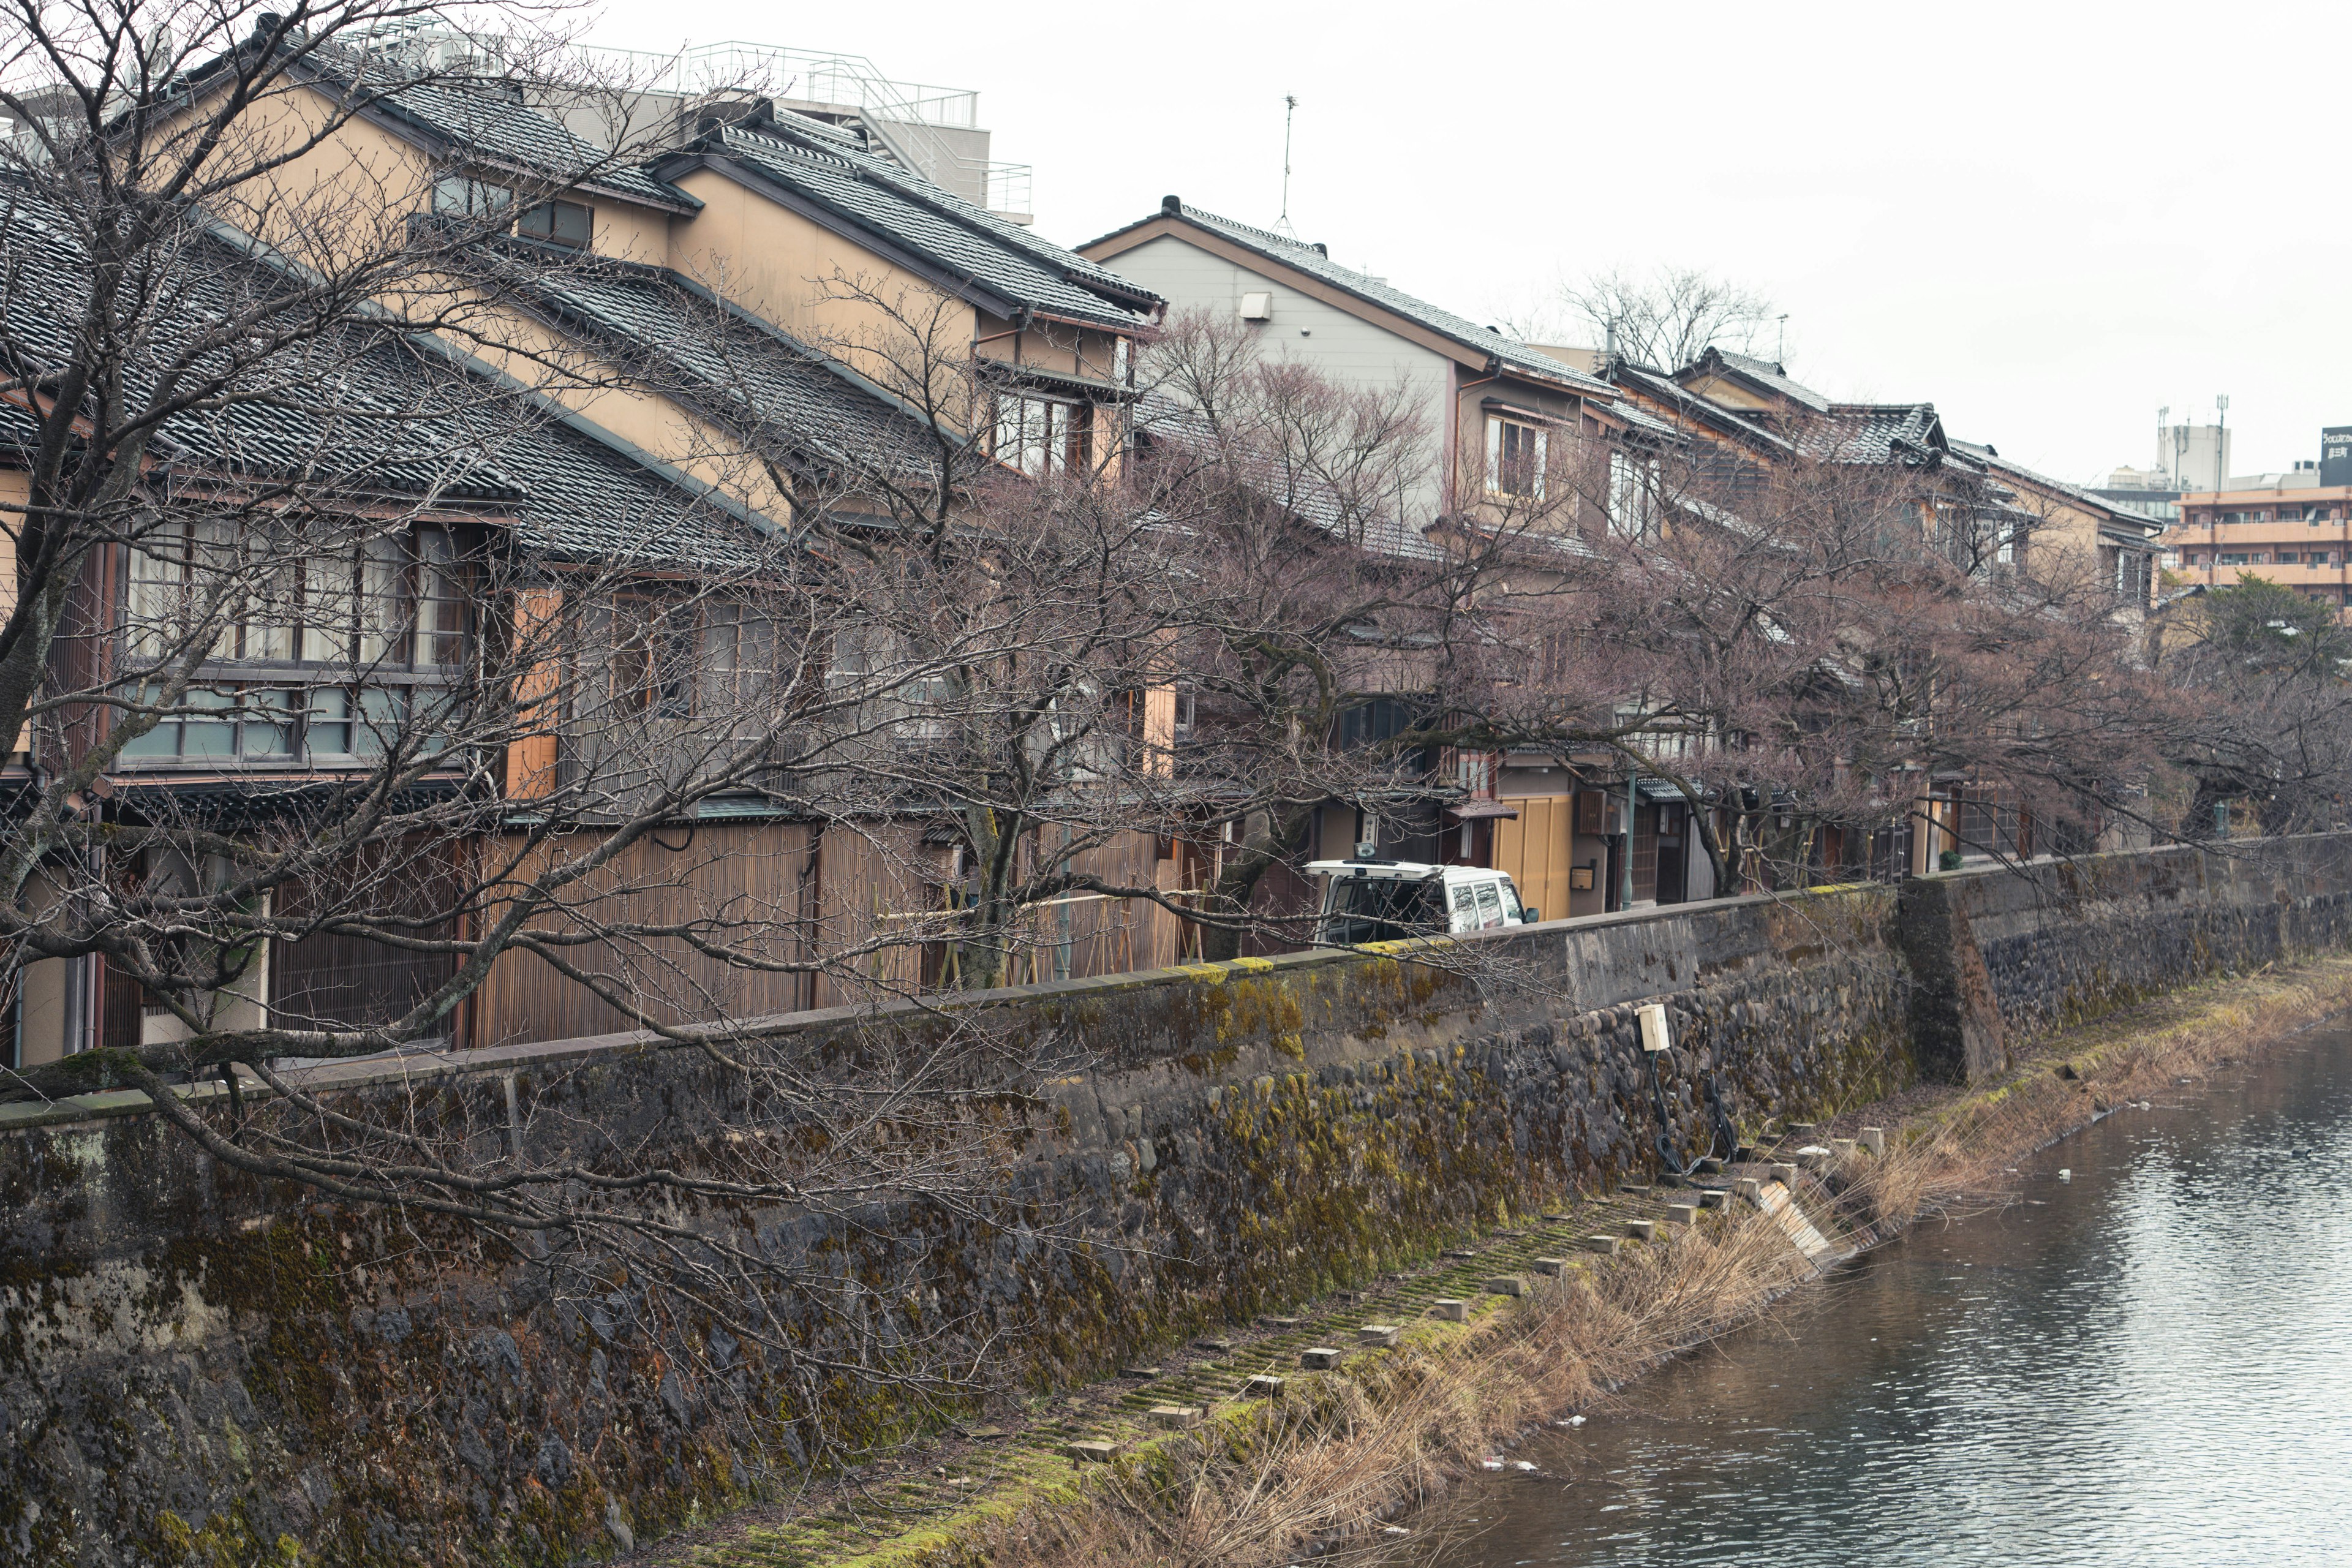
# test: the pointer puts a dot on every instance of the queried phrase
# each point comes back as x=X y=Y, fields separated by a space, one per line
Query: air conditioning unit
x=1258 y=306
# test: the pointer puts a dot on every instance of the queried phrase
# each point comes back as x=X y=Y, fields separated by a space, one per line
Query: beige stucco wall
x=795 y=273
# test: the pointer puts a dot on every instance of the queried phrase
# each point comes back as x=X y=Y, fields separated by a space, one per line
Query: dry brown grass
x=1342 y=1452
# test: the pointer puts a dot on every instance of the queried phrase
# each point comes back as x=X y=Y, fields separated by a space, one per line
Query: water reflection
x=2150 y=1362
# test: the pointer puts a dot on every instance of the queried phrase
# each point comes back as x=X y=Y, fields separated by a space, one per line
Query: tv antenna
x=1290 y=113
x=1780 y=340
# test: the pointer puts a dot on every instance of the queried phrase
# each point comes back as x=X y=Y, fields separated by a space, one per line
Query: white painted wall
x=1348 y=349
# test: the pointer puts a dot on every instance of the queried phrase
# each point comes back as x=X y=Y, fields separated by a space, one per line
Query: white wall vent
x=1257 y=307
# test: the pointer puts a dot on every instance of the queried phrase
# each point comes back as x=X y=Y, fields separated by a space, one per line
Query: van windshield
x=1383 y=909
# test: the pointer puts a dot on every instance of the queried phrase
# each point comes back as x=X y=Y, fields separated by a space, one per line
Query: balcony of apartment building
x=2305 y=542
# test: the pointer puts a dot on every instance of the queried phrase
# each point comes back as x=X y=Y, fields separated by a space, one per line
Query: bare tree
x=1669 y=316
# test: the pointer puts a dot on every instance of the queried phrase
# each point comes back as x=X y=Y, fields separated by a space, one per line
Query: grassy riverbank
x=1341 y=1452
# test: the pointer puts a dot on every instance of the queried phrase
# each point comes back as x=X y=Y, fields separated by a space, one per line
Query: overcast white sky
x=2048 y=219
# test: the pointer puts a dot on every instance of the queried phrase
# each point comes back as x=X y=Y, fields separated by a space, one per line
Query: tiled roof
x=648 y=318
x=1876 y=432
x=1313 y=260
x=1665 y=389
x=1768 y=373
x=2089 y=499
x=366 y=414
x=1643 y=419
x=485 y=120
x=587 y=501
x=903 y=209
x=348 y=411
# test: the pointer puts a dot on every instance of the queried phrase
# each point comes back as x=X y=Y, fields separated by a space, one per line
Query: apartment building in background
x=2294 y=528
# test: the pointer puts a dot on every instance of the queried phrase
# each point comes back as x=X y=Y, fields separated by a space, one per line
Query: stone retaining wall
x=191 y=1363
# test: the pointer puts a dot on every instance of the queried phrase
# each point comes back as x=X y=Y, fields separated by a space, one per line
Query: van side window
x=1490 y=906
x=1511 y=910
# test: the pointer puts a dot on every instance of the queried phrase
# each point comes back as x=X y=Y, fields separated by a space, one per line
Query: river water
x=2148 y=1362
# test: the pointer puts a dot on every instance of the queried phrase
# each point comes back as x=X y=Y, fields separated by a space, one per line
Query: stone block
x=1782 y=1174
x=1642 y=1229
x=1605 y=1245
x=1452 y=1310
x=1843 y=1148
x=1145 y=1372
x=1176 y=1414
x=1320 y=1358
x=1458 y=1254
x=1872 y=1139
x=1554 y=1218
x=1278 y=1323
x=1378 y=1334
x=1552 y=1268
x=1092 y=1451
x=1801 y=1130
x=1220 y=1346
x=1682 y=1214
x=1265 y=1385
x=1714 y=1198
x=1748 y=1188
x=1507 y=1285
x=1639 y=1189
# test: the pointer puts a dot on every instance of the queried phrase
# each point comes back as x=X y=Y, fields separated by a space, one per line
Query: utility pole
x=1633 y=773
x=1780 y=340
x=1290 y=113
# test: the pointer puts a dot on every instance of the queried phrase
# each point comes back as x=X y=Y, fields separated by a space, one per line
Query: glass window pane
x=155 y=586
x=327 y=728
x=327 y=609
x=209 y=737
x=268 y=722
x=384 y=710
x=441 y=605
x=163 y=741
x=384 y=599
x=719 y=655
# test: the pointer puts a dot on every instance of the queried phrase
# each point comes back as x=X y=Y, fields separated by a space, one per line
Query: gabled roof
x=1763 y=375
x=482 y=121
x=1878 y=433
x=2122 y=520
x=368 y=414
x=646 y=317
x=1315 y=261
x=804 y=161
x=486 y=123
x=1664 y=389
x=346 y=411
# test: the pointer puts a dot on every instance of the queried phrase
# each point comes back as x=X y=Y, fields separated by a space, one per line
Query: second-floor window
x=569 y=224
x=391 y=600
x=1035 y=435
x=1516 y=457
x=1631 y=495
x=461 y=195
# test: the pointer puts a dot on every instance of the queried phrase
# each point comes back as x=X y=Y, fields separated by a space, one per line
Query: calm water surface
x=2150 y=1362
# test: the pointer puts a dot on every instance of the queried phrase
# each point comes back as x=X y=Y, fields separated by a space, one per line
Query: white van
x=1371 y=900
